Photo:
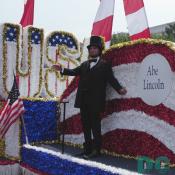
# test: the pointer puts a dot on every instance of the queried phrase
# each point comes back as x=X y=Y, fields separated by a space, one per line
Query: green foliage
x=168 y=35
x=158 y=36
x=170 y=32
x=119 y=38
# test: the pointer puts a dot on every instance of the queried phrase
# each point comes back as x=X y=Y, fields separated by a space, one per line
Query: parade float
x=141 y=123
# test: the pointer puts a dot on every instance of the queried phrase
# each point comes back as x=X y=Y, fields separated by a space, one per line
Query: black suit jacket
x=92 y=85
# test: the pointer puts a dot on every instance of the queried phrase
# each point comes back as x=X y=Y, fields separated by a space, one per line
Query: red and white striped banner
x=102 y=25
x=136 y=19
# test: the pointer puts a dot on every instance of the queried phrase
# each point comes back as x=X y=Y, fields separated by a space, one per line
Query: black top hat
x=96 y=41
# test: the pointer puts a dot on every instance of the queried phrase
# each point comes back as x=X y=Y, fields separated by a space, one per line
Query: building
x=160 y=28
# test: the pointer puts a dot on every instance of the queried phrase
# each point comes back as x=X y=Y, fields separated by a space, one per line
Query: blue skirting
x=41 y=121
x=54 y=165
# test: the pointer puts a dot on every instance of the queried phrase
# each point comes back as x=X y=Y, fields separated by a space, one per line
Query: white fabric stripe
x=106 y=9
x=11 y=169
x=134 y=120
x=13 y=136
x=137 y=22
x=107 y=44
x=26 y=171
x=82 y=161
x=127 y=76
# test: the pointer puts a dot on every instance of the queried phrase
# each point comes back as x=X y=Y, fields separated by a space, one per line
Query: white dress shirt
x=92 y=64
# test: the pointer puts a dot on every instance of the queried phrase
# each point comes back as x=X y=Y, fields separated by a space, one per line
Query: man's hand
x=57 y=67
x=122 y=91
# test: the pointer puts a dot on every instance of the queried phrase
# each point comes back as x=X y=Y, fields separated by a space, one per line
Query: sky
x=77 y=16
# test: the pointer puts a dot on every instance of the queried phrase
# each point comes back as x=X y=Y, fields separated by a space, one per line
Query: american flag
x=12 y=110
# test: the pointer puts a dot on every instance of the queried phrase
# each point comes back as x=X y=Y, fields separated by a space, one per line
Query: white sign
x=154 y=79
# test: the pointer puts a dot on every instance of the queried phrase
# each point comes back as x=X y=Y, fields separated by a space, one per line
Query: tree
x=170 y=32
x=119 y=38
x=158 y=36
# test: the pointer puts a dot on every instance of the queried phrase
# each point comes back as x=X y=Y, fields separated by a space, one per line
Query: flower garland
x=4 y=51
x=2 y=147
x=33 y=99
x=59 y=77
x=169 y=44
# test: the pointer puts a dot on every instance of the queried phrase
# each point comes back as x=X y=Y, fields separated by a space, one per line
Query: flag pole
x=25 y=131
x=23 y=123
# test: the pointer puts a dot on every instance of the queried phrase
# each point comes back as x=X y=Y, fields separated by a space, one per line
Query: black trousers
x=91 y=123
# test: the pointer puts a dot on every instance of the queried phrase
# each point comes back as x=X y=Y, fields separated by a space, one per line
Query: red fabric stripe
x=144 y=34
x=29 y=86
x=17 y=79
x=73 y=124
x=136 y=53
x=161 y=112
x=132 y=6
x=71 y=88
x=7 y=162
x=103 y=28
x=135 y=144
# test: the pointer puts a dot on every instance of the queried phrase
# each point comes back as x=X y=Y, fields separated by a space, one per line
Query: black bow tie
x=93 y=60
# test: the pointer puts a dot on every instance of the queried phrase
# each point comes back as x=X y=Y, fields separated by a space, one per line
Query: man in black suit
x=94 y=74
